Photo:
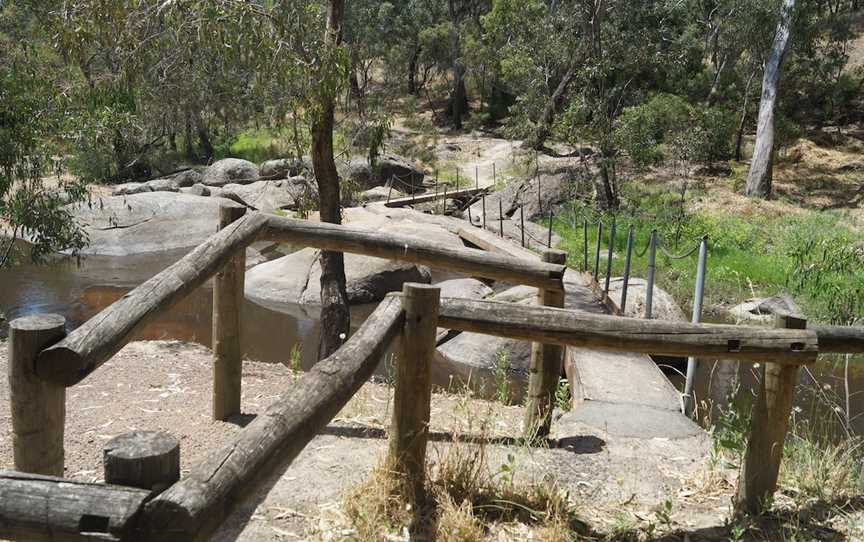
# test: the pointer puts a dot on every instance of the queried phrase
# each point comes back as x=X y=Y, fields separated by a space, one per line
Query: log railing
x=43 y=362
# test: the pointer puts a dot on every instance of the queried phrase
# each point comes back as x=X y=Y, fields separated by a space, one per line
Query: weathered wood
x=619 y=334
x=88 y=347
x=193 y=507
x=409 y=431
x=546 y=366
x=143 y=459
x=227 y=302
x=840 y=339
x=34 y=507
x=490 y=242
x=432 y=196
x=412 y=249
x=760 y=467
x=38 y=407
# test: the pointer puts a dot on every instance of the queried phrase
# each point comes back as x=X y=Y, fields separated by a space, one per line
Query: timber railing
x=144 y=498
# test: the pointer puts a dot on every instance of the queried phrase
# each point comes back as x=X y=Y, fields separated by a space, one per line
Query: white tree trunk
x=759 y=177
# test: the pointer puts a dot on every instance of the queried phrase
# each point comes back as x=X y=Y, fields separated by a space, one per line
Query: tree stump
x=38 y=407
x=144 y=459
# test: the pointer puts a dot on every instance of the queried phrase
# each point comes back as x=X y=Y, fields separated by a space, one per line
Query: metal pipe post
x=597 y=250
x=500 y=218
x=627 y=260
x=692 y=363
x=551 y=217
x=483 y=202
x=652 y=261
x=585 y=245
x=522 y=221
x=609 y=256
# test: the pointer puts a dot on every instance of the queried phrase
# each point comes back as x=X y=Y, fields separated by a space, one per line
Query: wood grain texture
x=34 y=507
x=409 y=431
x=546 y=366
x=193 y=507
x=228 y=286
x=143 y=459
x=432 y=196
x=490 y=242
x=619 y=334
x=769 y=422
x=38 y=407
x=88 y=347
x=410 y=249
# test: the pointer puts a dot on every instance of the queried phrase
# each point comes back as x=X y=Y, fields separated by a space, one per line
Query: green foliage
x=31 y=203
x=256 y=146
x=501 y=372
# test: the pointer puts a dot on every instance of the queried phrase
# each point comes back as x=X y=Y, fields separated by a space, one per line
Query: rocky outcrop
x=554 y=189
x=466 y=288
x=763 y=309
x=171 y=183
x=147 y=222
x=406 y=176
x=380 y=193
x=230 y=171
x=281 y=168
x=663 y=306
x=292 y=283
x=269 y=196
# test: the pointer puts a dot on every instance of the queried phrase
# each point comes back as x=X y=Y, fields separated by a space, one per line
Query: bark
x=203 y=136
x=760 y=176
x=553 y=106
x=459 y=98
x=739 y=139
x=335 y=318
x=189 y=149
x=412 y=71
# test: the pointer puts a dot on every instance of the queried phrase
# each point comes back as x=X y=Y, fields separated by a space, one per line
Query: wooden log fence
x=43 y=363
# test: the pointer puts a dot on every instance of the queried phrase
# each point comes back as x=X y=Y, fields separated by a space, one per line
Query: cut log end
x=143 y=459
x=61 y=365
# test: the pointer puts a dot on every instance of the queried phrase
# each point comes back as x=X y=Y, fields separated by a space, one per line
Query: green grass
x=813 y=256
x=259 y=145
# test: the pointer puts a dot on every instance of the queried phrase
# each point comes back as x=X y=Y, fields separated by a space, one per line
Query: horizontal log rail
x=405 y=248
x=432 y=196
x=34 y=507
x=615 y=333
x=88 y=347
x=195 y=505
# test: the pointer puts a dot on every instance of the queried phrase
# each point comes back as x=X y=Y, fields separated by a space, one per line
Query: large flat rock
x=148 y=222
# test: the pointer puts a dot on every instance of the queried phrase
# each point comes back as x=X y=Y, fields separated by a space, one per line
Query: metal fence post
x=652 y=260
x=500 y=218
x=627 y=259
x=597 y=249
x=692 y=363
x=585 y=245
x=609 y=256
x=551 y=218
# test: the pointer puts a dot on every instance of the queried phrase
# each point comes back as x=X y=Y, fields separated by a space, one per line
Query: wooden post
x=760 y=467
x=143 y=459
x=545 y=367
x=410 y=428
x=38 y=407
x=227 y=300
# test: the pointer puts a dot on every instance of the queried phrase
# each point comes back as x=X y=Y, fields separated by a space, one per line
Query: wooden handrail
x=195 y=505
x=411 y=249
x=88 y=347
x=840 y=339
x=615 y=333
x=34 y=507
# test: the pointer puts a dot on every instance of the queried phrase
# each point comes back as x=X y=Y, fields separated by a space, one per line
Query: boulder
x=128 y=189
x=281 y=168
x=269 y=196
x=230 y=170
x=187 y=178
x=466 y=288
x=763 y=309
x=196 y=190
x=554 y=189
x=163 y=185
x=663 y=307
x=380 y=193
x=147 y=222
x=406 y=177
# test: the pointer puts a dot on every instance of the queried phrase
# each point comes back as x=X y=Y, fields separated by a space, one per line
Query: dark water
x=79 y=290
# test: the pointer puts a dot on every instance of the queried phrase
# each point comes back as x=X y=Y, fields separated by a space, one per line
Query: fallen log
x=196 y=505
x=88 y=347
x=34 y=507
x=619 y=334
x=411 y=249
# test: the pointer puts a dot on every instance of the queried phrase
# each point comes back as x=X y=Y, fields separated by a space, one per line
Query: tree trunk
x=544 y=127
x=335 y=318
x=739 y=139
x=412 y=71
x=190 y=150
x=760 y=175
x=203 y=136
x=459 y=98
